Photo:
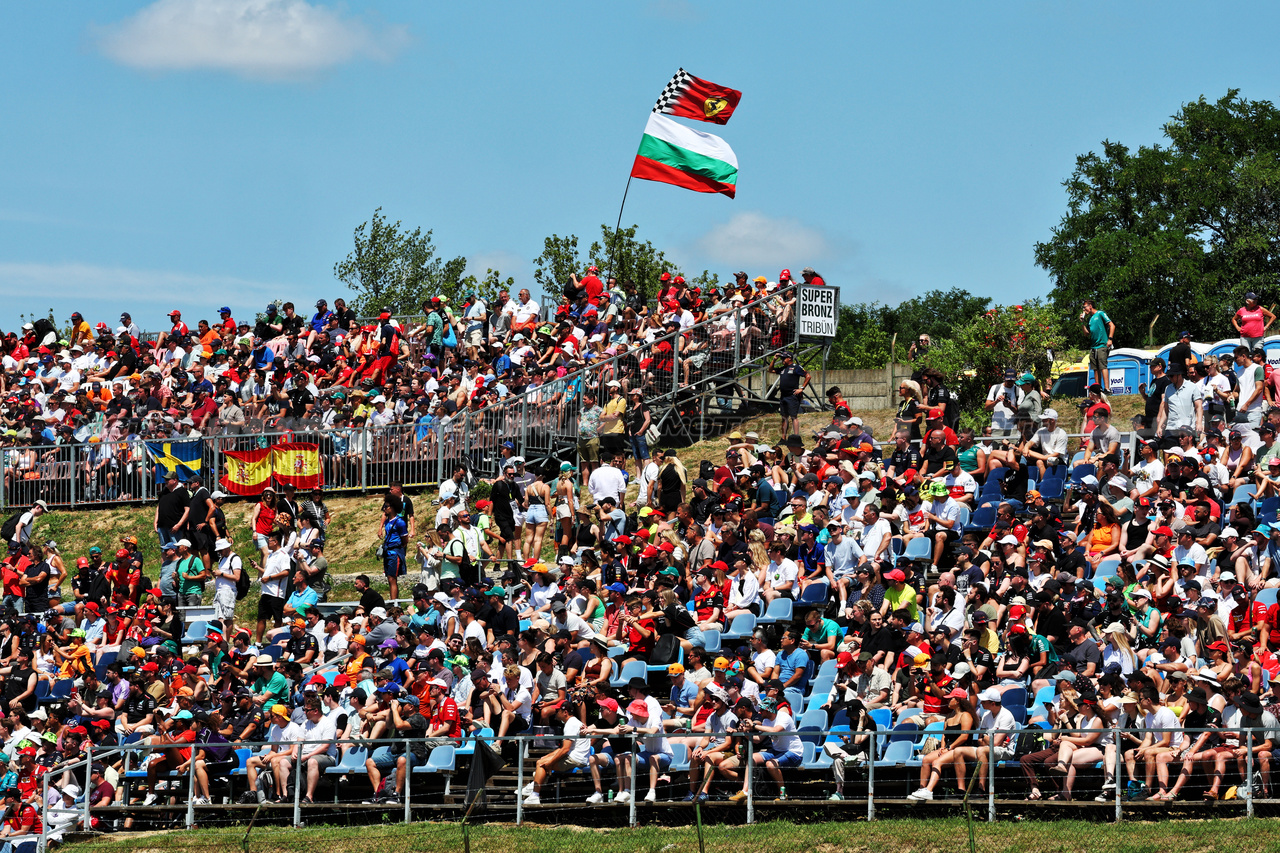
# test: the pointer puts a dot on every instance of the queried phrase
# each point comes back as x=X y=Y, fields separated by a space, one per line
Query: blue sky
x=190 y=153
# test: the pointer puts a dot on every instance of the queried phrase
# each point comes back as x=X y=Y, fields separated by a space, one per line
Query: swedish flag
x=182 y=458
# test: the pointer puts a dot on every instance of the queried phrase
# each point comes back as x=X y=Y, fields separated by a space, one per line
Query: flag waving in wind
x=179 y=459
x=690 y=97
x=671 y=153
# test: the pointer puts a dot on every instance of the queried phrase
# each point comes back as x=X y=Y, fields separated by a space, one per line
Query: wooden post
x=889 y=378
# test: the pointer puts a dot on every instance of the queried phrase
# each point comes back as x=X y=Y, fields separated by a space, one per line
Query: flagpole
x=613 y=249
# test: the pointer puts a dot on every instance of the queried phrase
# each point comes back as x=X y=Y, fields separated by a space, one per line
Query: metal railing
x=539 y=421
x=879 y=772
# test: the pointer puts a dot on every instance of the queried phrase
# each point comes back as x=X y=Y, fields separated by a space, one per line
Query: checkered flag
x=672 y=91
x=691 y=97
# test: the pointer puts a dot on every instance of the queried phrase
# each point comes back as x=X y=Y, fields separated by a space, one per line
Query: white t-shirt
x=581 y=746
x=323 y=729
x=764 y=661
x=786 y=740
x=647 y=475
x=872 y=537
x=1163 y=718
x=1002 y=721
x=607 y=482
x=521 y=697
x=782 y=573
x=1002 y=417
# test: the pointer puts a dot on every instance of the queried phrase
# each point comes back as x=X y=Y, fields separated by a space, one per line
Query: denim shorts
x=783 y=759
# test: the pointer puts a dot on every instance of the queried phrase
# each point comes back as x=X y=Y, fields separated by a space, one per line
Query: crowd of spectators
x=1119 y=606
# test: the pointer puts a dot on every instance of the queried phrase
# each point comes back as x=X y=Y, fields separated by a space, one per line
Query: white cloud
x=33 y=288
x=753 y=239
x=273 y=39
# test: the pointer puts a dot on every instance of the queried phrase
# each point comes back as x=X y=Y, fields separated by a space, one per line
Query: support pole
x=613 y=249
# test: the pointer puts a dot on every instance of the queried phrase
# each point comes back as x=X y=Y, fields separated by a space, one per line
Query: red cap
x=649 y=551
x=665 y=277
x=895 y=575
x=121 y=554
x=91 y=605
x=530 y=563
x=151 y=666
x=156 y=591
x=1219 y=646
x=1018 y=629
x=721 y=565
x=844 y=659
x=622 y=540
x=483 y=504
x=384 y=316
x=958 y=693
x=175 y=312
x=100 y=724
x=679 y=279
x=1163 y=530
x=318 y=679
x=643 y=534
x=785 y=275
x=668 y=547
x=82 y=562
x=934 y=413
x=188 y=670
x=341 y=681
x=77 y=730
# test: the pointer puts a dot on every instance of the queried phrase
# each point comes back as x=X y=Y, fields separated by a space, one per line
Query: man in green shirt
x=271 y=685
x=821 y=635
x=1101 y=332
x=191 y=576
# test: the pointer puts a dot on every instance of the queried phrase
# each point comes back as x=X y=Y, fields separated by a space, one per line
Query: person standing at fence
x=589 y=434
x=226 y=577
x=394 y=535
x=792 y=382
x=171 y=511
x=612 y=428
x=274 y=575
x=637 y=419
x=1101 y=331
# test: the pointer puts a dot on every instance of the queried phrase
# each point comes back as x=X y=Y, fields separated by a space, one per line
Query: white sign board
x=1116 y=384
x=816 y=311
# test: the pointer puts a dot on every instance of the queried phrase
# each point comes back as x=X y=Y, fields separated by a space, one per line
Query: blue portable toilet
x=1127 y=368
x=1224 y=347
x=1201 y=350
x=1272 y=346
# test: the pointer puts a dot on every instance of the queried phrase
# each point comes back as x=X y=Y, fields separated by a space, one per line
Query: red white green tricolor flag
x=671 y=153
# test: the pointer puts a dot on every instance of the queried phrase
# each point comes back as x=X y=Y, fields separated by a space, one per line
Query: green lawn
x=942 y=835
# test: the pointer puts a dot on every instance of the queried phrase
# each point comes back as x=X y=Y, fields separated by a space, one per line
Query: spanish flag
x=297 y=464
x=180 y=458
x=248 y=471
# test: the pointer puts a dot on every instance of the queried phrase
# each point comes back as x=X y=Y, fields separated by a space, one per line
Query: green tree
x=617 y=253
x=975 y=355
x=559 y=260
x=397 y=270
x=934 y=313
x=1181 y=230
x=862 y=339
x=487 y=287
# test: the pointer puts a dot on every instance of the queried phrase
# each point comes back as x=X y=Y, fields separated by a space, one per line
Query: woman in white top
x=1082 y=748
x=1118 y=649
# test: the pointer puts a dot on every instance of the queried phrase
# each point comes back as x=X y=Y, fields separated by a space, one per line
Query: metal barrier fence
x=541 y=421
x=873 y=769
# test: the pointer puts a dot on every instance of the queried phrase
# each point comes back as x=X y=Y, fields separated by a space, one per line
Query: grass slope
x=353 y=533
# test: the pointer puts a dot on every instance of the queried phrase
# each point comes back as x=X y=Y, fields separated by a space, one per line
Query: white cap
x=218 y=494
x=989 y=695
x=1009 y=539
x=1201 y=482
x=220 y=544
x=380 y=612
x=185 y=542
x=1117 y=482
x=1049 y=414
x=379 y=399
x=1140 y=593
x=1089 y=480
x=1231 y=531
x=1227 y=576
x=854 y=421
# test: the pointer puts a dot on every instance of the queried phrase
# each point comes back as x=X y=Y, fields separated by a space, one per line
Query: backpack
x=244 y=583
x=10 y=526
x=1030 y=739
x=665 y=650
x=43 y=328
x=706 y=470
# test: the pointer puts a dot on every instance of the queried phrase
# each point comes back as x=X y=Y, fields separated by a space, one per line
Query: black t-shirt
x=138 y=706
x=502 y=494
x=199 y=507
x=242 y=719
x=297 y=647
x=170 y=507
x=939 y=459
x=1155 y=393
x=36 y=595
x=15 y=685
x=669 y=486
x=901 y=460
x=633 y=418
x=1080 y=656
x=371 y=599
x=1180 y=353
x=505 y=621
x=790 y=378
x=981 y=657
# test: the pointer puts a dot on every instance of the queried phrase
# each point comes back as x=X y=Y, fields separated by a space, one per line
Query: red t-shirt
x=447 y=713
x=1242 y=619
x=639 y=645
